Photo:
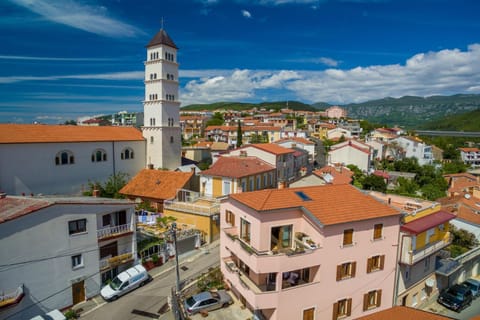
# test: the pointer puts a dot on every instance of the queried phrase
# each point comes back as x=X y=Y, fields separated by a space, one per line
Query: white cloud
x=246 y=14
x=328 y=61
x=32 y=58
x=443 y=72
x=80 y=16
x=127 y=75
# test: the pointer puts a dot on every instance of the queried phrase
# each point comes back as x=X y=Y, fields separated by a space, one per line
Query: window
x=346 y=270
x=252 y=186
x=106 y=219
x=151 y=139
x=342 y=308
x=415 y=299
x=226 y=188
x=348 y=237
x=426 y=264
x=245 y=230
x=259 y=182
x=423 y=294
x=77 y=261
x=171 y=139
x=309 y=314
x=77 y=226
x=375 y=263
x=372 y=299
x=99 y=155
x=377 y=231
x=126 y=154
x=281 y=237
x=430 y=236
x=64 y=157
x=230 y=217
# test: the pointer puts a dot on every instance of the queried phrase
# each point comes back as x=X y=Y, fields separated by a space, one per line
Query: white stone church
x=61 y=159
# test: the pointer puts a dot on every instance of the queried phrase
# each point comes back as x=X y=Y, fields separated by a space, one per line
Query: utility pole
x=174 y=233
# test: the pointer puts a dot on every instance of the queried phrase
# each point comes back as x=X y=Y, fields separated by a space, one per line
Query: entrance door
x=78 y=292
x=308 y=314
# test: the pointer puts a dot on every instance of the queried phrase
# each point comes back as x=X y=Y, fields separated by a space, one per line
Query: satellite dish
x=467 y=196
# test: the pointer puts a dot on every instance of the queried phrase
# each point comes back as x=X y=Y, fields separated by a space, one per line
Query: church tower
x=161 y=107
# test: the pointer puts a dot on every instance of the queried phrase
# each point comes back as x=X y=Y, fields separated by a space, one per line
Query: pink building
x=335 y=112
x=309 y=253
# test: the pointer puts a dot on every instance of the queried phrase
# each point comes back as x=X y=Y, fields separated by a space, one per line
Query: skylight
x=303 y=196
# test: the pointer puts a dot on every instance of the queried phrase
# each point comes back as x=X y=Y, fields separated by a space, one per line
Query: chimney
x=150 y=166
x=282 y=184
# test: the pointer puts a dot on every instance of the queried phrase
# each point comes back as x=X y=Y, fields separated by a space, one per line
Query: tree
x=406 y=187
x=71 y=123
x=373 y=182
x=462 y=242
x=215 y=120
x=239 y=135
x=110 y=188
x=455 y=166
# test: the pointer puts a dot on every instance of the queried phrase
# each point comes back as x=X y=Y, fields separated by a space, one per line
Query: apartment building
x=424 y=232
x=351 y=152
x=470 y=156
x=322 y=252
x=59 y=251
x=415 y=147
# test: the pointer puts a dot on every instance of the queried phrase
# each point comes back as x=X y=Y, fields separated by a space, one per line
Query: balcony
x=109 y=263
x=201 y=206
x=115 y=231
x=412 y=257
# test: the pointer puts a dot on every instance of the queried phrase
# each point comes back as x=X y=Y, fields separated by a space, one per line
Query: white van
x=126 y=281
x=52 y=315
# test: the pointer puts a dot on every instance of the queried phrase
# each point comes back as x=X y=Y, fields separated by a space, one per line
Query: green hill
x=469 y=121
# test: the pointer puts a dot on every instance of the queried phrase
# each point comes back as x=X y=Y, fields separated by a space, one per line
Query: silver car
x=207 y=301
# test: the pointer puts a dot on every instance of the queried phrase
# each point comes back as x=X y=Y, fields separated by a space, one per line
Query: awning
x=427 y=222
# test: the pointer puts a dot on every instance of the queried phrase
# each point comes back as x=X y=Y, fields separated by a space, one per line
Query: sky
x=65 y=59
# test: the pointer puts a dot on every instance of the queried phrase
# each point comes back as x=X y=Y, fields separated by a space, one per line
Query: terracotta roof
x=330 y=204
x=403 y=313
x=272 y=148
x=39 y=133
x=381 y=174
x=432 y=220
x=469 y=149
x=161 y=38
x=341 y=176
x=468 y=214
x=156 y=184
x=237 y=167
x=13 y=208
x=295 y=139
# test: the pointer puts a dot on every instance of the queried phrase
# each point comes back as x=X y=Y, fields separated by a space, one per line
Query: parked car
x=456 y=297
x=474 y=286
x=52 y=315
x=207 y=301
x=126 y=281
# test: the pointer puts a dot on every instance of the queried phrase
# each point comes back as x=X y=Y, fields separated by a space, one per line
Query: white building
x=59 y=251
x=351 y=152
x=414 y=147
x=161 y=105
x=470 y=156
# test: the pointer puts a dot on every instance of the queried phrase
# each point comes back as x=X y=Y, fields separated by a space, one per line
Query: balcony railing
x=412 y=257
x=108 y=263
x=192 y=207
x=113 y=231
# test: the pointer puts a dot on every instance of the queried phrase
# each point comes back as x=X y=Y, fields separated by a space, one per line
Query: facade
x=335 y=112
x=280 y=249
x=423 y=234
x=301 y=143
x=192 y=126
x=414 y=147
x=228 y=134
x=236 y=174
x=57 y=159
x=351 y=152
x=161 y=105
x=62 y=249
x=470 y=156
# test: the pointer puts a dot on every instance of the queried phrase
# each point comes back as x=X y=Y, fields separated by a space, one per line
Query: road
x=468 y=313
x=146 y=302
x=319 y=152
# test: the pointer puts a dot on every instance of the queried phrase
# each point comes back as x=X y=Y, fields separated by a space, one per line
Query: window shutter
x=349 y=307
x=369 y=265
x=379 y=297
x=335 y=311
x=382 y=261
x=365 y=302
x=354 y=268
x=339 y=272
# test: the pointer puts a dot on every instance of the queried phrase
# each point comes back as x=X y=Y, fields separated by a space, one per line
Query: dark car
x=207 y=301
x=456 y=297
x=474 y=286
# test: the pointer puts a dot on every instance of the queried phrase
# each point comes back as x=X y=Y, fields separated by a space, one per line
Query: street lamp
x=174 y=234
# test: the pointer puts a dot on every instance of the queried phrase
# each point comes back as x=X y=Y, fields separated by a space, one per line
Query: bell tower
x=161 y=106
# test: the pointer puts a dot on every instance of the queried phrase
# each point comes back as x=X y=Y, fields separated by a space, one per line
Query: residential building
x=280 y=248
x=192 y=126
x=59 y=159
x=279 y=157
x=60 y=250
x=301 y=143
x=335 y=112
x=235 y=174
x=461 y=183
x=338 y=133
x=352 y=126
x=470 y=156
x=351 y=152
x=325 y=175
x=228 y=134
x=161 y=106
x=423 y=234
x=415 y=147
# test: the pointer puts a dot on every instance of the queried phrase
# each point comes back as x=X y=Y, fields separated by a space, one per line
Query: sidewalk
x=97 y=301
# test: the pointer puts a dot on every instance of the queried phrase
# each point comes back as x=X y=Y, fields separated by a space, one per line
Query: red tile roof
x=469 y=149
x=341 y=176
x=39 y=133
x=156 y=184
x=427 y=222
x=330 y=204
x=403 y=313
x=12 y=208
x=237 y=167
x=272 y=148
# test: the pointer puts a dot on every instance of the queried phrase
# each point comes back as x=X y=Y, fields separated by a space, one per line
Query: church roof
x=41 y=133
x=162 y=38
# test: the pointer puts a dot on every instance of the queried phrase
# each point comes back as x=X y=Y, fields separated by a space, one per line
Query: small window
x=342 y=308
x=99 y=155
x=77 y=261
x=151 y=139
x=348 y=237
x=377 y=231
x=126 y=154
x=171 y=139
x=230 y=217
x=346 y=270
x=372 y=299
x=64 y=158
x=106 y=219
x=77 y=226
x=375 y=263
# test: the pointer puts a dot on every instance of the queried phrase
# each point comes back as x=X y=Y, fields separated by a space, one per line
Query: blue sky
x=61 y=60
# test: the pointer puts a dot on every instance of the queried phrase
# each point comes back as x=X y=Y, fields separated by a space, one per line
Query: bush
x=71 y=314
